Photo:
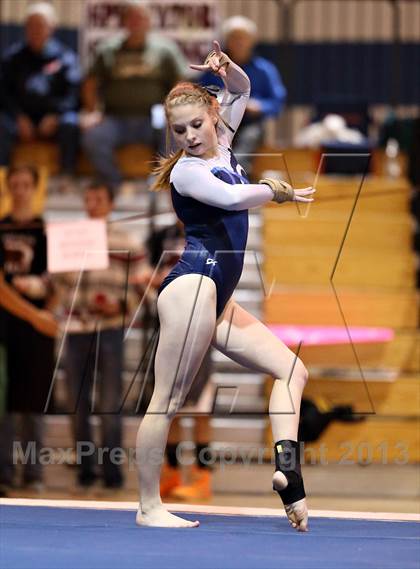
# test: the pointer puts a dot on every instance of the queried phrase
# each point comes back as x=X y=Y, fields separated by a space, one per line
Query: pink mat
x=293 y=335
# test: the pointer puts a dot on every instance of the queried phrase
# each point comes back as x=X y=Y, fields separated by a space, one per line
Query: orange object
x=198 y=489
x=170 y=479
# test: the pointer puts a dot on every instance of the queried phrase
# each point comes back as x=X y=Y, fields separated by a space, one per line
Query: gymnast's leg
x=244 y=339
x=187 y=316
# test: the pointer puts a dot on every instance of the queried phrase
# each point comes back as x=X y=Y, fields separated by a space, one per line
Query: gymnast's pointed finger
x=305 y=191
x=302 y=199
x=217 y=48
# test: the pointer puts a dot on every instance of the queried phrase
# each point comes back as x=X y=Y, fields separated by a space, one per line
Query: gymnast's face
x=194 y=129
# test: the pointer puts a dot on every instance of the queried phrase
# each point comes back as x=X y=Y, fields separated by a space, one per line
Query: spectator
x=332 y=129
x=95 y=326
x=268 y=93
x=25 y=295
x=130 y=74
x=40 y=89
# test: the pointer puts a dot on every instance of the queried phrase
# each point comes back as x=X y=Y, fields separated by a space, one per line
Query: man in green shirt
x=130 y=75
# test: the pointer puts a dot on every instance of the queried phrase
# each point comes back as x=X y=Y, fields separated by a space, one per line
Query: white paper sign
x=77 y=246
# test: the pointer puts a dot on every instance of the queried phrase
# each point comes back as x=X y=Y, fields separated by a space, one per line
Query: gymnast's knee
x=302 y=371
x=296 y=373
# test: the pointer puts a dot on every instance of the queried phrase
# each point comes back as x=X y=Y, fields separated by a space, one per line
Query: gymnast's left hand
x=216 y=62
x=284 y=192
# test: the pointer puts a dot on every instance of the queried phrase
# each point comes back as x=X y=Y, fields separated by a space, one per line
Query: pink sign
x=318 y=335
x=77 y=245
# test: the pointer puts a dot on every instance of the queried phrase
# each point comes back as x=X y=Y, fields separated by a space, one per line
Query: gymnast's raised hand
x=216 y=62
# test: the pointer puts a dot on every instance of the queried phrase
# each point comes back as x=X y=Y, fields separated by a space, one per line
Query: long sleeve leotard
x=212 y=197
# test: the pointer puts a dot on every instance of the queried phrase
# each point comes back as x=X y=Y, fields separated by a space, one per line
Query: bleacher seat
x=135 y=160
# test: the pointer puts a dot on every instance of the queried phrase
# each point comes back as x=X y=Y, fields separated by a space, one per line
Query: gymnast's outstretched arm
x=192 y=178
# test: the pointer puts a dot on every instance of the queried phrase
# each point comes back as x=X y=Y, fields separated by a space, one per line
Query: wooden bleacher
x=374 y=281
x=134 y=159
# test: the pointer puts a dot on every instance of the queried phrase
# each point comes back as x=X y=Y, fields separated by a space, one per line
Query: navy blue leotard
x=215 y=237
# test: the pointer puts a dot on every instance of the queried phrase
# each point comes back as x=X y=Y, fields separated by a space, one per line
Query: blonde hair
x=184 y=93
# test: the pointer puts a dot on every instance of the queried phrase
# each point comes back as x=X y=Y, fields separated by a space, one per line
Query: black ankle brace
x=287 y=455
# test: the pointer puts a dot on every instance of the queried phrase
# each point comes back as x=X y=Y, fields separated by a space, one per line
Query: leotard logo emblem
x=211 y=262
x=228 y=176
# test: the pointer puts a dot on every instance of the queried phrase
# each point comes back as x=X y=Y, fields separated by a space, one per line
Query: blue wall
x=373 y=72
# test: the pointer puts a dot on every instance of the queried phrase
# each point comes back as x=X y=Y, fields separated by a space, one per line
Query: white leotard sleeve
x=232 y=108
x=233 y=101
x=193 y=178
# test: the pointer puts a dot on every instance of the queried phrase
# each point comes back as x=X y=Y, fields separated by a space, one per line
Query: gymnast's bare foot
x=161 y=518
x=297 y=512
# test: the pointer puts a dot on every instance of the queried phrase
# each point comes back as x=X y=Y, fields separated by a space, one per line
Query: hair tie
x=212 y=90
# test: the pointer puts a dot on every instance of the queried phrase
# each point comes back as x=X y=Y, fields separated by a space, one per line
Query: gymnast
x=211 y=197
